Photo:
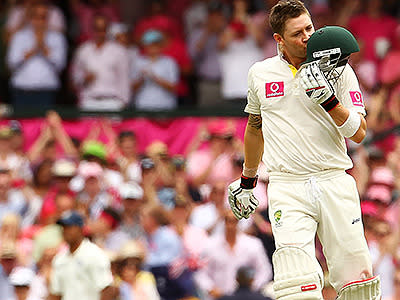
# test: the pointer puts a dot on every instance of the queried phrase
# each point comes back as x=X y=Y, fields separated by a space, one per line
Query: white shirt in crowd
x=151 y=96
x=82 y=274
x=302 y=137
x=38 y=72
x=110 y=64
x=235 y=62
x=17 y=15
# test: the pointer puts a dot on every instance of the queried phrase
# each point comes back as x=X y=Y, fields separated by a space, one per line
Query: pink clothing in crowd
x=389 y=73
x=374 y=33
x=223 y=263
x=199 y=161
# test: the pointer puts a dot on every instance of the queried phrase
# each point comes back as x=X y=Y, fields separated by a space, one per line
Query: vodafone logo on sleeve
x=274 y=89
x=356 y=98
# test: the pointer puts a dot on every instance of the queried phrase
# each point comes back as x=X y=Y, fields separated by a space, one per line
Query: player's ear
x=278 y=38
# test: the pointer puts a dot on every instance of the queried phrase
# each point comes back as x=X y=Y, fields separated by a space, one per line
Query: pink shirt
x=223 y=263
x=390 y=70
x=371 y=31
x=199 y=161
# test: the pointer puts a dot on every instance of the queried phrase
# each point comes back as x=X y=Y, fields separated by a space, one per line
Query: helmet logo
x=321 y=53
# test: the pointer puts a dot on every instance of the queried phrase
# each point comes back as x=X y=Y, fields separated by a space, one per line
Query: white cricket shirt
x=82 y=274
x=299 y=136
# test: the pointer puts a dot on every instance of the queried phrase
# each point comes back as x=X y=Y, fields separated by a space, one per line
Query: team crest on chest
x=274 y=89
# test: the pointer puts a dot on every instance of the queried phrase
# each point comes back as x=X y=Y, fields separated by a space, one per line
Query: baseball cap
x=21 y=276
x=90 y=169
x=382 y=175
x=70 y=218
x=94 y=148
x=380 y=193
x=152 y=36
x=131 y=249
x=220 y=128
x=131 y=191
x=8 y=250
x=64 y=168
x=117 y=28
x=5 y=132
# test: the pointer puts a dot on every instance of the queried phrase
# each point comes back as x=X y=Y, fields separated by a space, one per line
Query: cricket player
x=303 y=103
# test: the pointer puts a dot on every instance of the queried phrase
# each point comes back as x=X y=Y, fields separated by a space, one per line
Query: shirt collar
x=282 y=58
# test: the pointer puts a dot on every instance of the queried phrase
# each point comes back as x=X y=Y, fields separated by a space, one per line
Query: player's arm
x=341 y=114
x=253 y=145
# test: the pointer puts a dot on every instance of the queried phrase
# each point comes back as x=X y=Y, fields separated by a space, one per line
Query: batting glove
x=241 y=198
x=317 y=87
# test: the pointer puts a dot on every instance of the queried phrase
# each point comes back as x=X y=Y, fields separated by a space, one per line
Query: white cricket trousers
x=327 y=204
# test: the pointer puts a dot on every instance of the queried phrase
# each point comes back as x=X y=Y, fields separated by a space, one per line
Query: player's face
x=294 y=40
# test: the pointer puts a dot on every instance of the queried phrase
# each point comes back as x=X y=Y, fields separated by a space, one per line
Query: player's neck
x=294 y=61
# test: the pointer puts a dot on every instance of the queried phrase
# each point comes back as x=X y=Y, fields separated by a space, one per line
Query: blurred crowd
x=155 y=55
x=161 y=220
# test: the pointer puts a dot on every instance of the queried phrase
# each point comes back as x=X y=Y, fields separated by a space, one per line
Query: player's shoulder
x=265 y=64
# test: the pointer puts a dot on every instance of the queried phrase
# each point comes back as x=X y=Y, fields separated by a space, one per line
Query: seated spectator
x=225 y=254
x=132 y=204
x=36 y=56
x=245 y=279
x=137 y=284
x=154 y=76
x=165 y=257
x=19 y=15
x=100 y=71
x=240 y=47
x=8 y=261
x=87 y=11
x=21 y=279
x=203 y=47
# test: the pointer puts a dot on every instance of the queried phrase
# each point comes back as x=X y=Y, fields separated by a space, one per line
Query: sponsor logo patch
x=357 y=98
x=309 y=287
x=274 y=89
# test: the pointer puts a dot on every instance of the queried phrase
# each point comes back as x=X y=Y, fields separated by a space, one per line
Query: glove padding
x=314 y=82
x=242 y=201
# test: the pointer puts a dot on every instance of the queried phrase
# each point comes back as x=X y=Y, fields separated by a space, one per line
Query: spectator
x=203 y=47
x=132 y=203
x=225 y=254
x=154 y=76
x=8 y=257
x=87 y=11
x=19 y=15
x=129 y=160
x=240 y=47
x=21 y=279
x=245 y=279
x=204 y=165
x=138 y=284
x=83 y=271
x=100 y=71
x=165 y=257
x=36 y=56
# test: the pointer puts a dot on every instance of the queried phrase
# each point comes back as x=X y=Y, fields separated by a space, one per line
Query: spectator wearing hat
x=36 y=56
x=137 y=284
x=225 y=254
x=83 y=270
x=21 y=279
x=132 y=203
x=100 y=71
x=8 y=255
x=245 y=278
x=154 y=76
x=105 y=231
x=95 y=196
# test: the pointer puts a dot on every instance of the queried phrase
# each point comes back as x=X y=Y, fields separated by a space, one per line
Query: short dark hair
x=284 y=10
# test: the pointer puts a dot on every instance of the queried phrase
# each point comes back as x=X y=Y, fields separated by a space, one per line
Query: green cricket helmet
x=331 y=46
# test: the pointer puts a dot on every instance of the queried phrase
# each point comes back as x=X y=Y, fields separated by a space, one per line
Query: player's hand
x=314 y=82
x=242 y=201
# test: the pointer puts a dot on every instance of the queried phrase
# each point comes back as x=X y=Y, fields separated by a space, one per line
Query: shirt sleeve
x=55 y=282
x=16 y=50
x=348 y=91
x=58 y=50
x=253 y=103
x=101 y=271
